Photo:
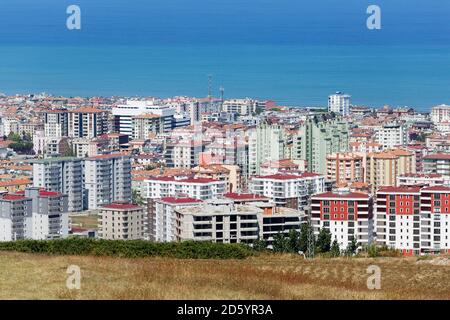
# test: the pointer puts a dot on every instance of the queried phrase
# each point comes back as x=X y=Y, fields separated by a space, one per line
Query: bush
x=130 y=249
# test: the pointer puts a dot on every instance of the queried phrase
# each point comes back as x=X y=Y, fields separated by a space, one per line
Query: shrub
x=130 y=249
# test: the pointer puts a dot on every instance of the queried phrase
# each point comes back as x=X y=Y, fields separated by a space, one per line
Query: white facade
x=123 y=114
x=63 y=175
x=391 y=136
x=197 y=188
x=440 y=113
x=287 y=190
x=240 y=106
x=162 y=225
x=339 y=103
x=347 y=216
x=107 y=179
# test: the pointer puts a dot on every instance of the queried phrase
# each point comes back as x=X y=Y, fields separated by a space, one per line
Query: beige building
x=345 y=167
x=145 y=125
x=122 y=221
x=384 y=167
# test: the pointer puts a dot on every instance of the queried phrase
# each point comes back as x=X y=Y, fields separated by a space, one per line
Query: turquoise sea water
x=294 y=52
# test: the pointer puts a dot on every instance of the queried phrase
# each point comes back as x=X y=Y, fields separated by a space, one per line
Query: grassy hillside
x=35 y=276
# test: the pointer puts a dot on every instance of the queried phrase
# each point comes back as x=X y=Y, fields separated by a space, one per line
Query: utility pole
x=311 y=239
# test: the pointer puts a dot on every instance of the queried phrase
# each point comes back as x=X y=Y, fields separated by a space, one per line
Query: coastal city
x=225 y=171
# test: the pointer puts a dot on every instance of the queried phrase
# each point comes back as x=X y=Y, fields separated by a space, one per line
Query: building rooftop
x=122 y=206
x=344 y=195
x=179 y=200
x=401 y=189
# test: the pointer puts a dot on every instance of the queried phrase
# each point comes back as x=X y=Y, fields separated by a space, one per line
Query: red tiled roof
x=122 y=206
x=438 y=156
x=177 y=200
x=13 y=197
x=437 y=188
x=280 y=176
x=402 y=189
x=45 y=193
x=349 y=195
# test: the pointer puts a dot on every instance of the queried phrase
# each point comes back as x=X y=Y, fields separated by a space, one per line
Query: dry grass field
x=31 y=276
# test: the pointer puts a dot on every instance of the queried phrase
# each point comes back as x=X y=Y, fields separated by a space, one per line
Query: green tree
x=259 y=244
x=136 y=198
x=323 y=241
x=335 y=251
x=294 y=241
x=352 y=247
x=280 y=243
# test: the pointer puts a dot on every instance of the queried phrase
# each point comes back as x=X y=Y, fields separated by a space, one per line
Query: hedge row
x=130 y=249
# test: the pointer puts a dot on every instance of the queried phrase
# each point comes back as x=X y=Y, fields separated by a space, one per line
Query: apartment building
x=124 y=114
x=318 y=137
x=347 y=215
x=197 y=188
x=435 y=219
x=382 y=168
x=288 y=190
x=56 y=123
x=422 y=179
x=242 y=107
x=438 y=163
x=266 y=143
x=15 y=217
x=162 y=216
x=398 y=218
x=440 y=113
x=225 y=222
x=87 y=122
x=345 y=167
x=122 y=221
x=107 y=179
x=64 y=175
x=339 y=103
x=391 y=136
x=50 y=217
x=414 y=219
x=146 y=125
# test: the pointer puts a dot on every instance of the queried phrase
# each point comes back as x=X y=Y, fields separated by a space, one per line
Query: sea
x=295 y=52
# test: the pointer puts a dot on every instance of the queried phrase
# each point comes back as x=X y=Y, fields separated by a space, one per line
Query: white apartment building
x=64 y=175
x=198 y=188
x=347 y=216
x=87 y=122
x=288 y=190
x=107 y=179
x=435 y=219
x=50 y=218
x=398 y=218
x=122 y=221
x=242 y=107
x=15 y=217
x=123 y=114
x=440 y=113
x=339 y=103
x=423 y=179
x=414 y=219
x=391 y=136
x=56 y=123
x=162 y=216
